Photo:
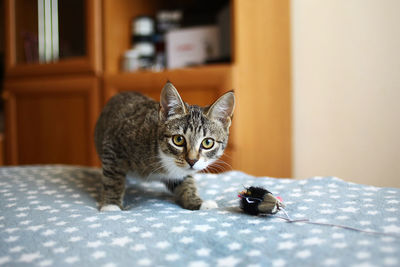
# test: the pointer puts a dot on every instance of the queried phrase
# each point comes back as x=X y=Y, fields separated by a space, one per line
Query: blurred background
x=317 y=82
x=346 y=89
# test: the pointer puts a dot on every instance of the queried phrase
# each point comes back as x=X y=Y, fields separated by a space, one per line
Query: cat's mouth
x=197 y=165
x=190 y=165
x=181 y=167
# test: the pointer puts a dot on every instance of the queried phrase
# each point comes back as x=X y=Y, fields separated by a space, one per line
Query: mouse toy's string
x=305 y=220
x=257 y=201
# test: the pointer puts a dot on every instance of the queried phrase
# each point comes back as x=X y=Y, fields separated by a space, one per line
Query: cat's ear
x=171 y=102
x=222 y=109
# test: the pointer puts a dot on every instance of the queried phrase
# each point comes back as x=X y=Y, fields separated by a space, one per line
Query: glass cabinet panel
x=49 y=30
x=72 y=28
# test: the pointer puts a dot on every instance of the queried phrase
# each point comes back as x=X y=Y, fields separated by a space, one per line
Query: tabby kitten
x=167 y=141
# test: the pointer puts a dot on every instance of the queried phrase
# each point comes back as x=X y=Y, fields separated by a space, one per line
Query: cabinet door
x=51 y=120
x=51 y=37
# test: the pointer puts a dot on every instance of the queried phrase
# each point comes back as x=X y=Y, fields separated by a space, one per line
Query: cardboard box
x=192 y=46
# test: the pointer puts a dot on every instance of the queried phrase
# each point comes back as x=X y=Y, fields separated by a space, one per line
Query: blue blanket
x=49 y=217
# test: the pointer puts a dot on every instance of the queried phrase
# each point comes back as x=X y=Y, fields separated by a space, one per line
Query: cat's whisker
x=154 y=171
x=226 y=154
x=220 y=168
x=207 y=170
x=225 y=163
x=213 y=169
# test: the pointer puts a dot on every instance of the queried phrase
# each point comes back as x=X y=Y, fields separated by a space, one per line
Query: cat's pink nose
x=191 y=162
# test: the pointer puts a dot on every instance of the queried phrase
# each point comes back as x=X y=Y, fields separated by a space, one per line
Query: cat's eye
x=178 y=140
x=207 y=143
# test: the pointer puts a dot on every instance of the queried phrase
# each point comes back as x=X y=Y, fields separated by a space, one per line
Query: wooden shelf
x=90 y=63
x=259 y=74
x=209 y=80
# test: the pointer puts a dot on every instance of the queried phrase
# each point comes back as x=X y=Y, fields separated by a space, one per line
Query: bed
x=49 y=217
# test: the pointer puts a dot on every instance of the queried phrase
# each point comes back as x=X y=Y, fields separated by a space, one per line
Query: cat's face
x=190 y=137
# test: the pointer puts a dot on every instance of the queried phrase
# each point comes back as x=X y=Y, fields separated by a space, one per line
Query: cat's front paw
x=208 y=205
x=110 y=207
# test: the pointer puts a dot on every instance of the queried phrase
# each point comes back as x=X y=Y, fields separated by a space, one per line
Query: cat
x=168 y=141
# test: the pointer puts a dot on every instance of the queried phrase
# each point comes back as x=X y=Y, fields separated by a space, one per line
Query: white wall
x=346 y=89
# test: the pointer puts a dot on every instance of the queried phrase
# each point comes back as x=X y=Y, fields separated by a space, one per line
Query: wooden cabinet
x=51 y=107
x=51 y=120
x=81 y=43
x=259 y=73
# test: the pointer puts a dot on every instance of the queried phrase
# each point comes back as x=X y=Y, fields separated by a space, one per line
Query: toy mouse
x=256 y=200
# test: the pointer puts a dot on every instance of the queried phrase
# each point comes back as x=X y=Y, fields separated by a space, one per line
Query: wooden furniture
x=50 y=109
x=75 y=89
x=51 y=120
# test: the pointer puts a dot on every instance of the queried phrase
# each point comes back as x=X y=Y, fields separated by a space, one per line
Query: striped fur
x=135 y=134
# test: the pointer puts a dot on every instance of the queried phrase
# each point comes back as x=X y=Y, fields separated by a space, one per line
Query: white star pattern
x=390 y=261
x=340 y=245
x=278 y=263
x=203 y=252
x=70 y=230
x=104 y=234
x=228 y=262
x=178 y=229
x=75 y=239
x=222 y=233
x=29 y=257
x=259 y=239
x=134 y=229
x=72 y=260
x=198 y=264
x=364 y=242
x=330 y=262
x=49 y=243
x=287 y=235
x=392 y=228
x=372 y=212
x=186 y=240
x=388 y=249
x=337 y=235
x=157 y=225
x=146 y=234
x=313 y=241
x=203 y=228
x=286 y=245
x=49 y=232
x=254 y=253
x=362 y=255
x=16 y=249
x=60 y=250
x=45 y=263
x=66 y=228
x=139 y=247
x=35 y=228
x=4 y=260
x=267 y=228
x=172 y=257
x=234 y=246
x=121 y=241
x=349 y=209
x=163 y=245
x=99 y=255
x=94 y=244
x=144 y=262
x=303 y=254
